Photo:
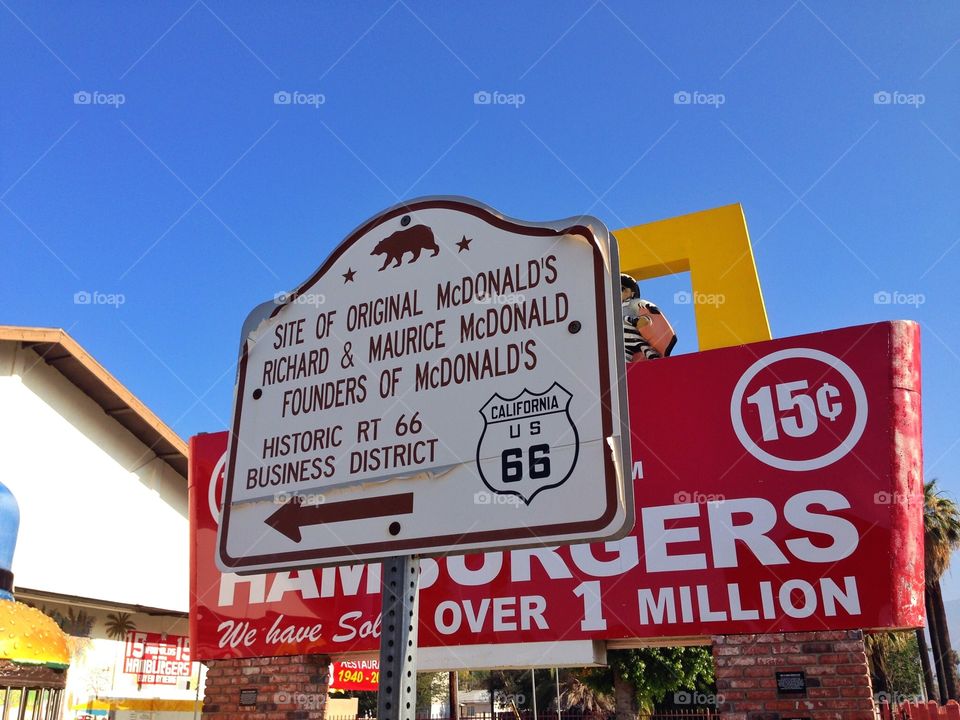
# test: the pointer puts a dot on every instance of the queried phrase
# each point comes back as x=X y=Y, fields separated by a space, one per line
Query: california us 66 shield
x=448 y=380
x=529 y=443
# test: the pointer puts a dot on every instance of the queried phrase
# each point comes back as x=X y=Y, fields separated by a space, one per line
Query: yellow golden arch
x=714 y=246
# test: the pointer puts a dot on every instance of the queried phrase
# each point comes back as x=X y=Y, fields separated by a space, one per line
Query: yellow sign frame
x=714 y=246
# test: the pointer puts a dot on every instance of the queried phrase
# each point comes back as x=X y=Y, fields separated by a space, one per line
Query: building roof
x=63 y=353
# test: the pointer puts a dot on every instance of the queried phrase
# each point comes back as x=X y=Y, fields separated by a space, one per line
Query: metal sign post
x=397 y=697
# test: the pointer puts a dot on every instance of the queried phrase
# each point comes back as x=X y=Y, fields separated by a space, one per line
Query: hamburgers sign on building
x=447 y=380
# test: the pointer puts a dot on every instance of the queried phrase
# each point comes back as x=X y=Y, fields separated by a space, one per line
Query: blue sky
x=143 y=155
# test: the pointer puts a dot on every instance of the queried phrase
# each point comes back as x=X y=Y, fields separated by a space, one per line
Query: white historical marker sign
x=448 y=381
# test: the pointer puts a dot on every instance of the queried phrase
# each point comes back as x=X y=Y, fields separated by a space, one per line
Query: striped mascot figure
x=647 y=334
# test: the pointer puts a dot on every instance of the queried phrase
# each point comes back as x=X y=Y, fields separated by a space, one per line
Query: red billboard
x=777 y=485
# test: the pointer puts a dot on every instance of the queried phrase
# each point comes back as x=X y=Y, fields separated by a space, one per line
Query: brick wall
x=834 y=664
x=287 y=688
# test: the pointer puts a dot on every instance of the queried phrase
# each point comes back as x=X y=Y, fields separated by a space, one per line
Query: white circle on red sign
x=805 y=408
x=215 y=489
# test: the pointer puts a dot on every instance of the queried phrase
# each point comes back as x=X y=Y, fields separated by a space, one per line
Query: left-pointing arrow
x=293 y=516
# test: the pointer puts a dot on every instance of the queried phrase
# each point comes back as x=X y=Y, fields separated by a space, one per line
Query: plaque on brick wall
x=791 y=683
x=248 y=697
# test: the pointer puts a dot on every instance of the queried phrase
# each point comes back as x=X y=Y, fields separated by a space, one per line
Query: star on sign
x=464 y=244
x=348 y=275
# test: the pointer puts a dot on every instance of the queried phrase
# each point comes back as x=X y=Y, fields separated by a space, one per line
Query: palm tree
x=118 y=625
x=584 y=699
x=928 y=681
x=941 y=536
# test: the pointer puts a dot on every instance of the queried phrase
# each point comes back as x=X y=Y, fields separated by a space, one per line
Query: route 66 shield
x=529 y=442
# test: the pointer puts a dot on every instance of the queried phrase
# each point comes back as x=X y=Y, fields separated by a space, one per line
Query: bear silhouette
x=413 y=240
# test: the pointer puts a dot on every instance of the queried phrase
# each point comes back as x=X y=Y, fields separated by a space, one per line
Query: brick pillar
x=834 y=664
x=286 y=688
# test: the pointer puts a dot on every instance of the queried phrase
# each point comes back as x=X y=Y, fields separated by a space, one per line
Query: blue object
x=9 y=527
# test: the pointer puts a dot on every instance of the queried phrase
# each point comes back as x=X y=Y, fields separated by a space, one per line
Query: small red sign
x=155 y=658
x=355 y=675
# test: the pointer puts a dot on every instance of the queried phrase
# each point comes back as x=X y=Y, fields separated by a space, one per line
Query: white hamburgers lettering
x=658 y=555
x=675 y=538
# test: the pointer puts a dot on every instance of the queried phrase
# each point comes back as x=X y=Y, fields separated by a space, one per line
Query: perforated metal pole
x=397 y=698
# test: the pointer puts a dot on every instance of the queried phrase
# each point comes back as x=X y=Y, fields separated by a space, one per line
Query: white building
x=102 y=487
